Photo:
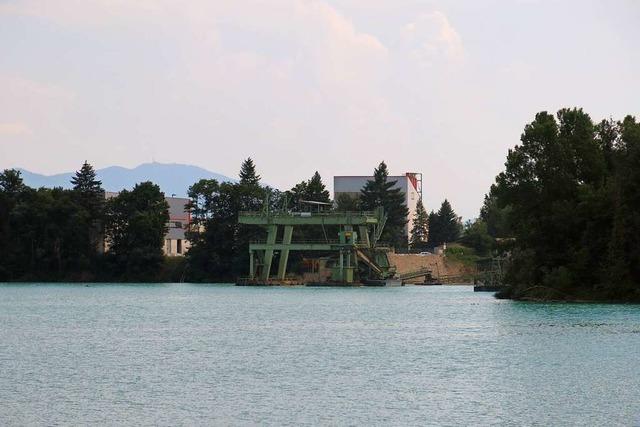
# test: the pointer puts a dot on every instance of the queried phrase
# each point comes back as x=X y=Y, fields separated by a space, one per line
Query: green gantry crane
x=357 y=242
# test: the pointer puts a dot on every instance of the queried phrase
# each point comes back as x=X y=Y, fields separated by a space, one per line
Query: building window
x=179 y=246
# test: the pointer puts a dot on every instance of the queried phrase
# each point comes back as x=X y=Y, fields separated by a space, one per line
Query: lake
x=180 y=354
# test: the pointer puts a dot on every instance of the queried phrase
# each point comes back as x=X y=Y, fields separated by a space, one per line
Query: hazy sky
x=442 y=88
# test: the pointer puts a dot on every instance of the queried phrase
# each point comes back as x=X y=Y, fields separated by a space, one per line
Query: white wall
x=353 y=185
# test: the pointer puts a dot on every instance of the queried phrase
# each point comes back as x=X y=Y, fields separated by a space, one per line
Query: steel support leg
x=272 y=232
x=284 y=254
x=252 y=265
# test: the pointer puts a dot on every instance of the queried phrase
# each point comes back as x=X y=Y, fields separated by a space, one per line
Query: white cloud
x=431 y=38
x=35 y=110
x=291 y=73
x=15 y=129
x=299 y=85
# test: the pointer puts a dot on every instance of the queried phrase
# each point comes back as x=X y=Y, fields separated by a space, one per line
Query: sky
x=439 y=87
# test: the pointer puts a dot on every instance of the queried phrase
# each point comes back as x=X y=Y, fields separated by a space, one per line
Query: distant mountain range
x=173 y=178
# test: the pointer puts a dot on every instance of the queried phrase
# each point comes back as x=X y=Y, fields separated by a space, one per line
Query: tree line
x=61 y=235
x=85 y=234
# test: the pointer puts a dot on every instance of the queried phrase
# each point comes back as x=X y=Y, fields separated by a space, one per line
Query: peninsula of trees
x=568 y=204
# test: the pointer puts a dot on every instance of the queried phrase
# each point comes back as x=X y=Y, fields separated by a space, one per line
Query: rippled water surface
x=223 y=355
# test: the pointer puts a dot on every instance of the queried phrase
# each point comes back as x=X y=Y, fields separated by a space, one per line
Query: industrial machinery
x=356 y=256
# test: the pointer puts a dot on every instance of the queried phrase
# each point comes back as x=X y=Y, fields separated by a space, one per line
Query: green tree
x=380 y=192
x=571 y=189
x=495 y=217
x=11 y=186
x=247 y=195
x=557 y=164
x=607 y=134
x=11 y=182
x=219 y=243
x=435 y=230
x=296 y=195
x=444 y=226
x=213 y=207
x=248 y=174
x=316 y=190
x=136 y=223
x=420 y=229
x=90 y=197
x=347 y=203
x=623 y=267
x=202 y=196
x=43 y=233
x=47 y=232
x=311 y=190
x=251 y=195
x=476 y=236
x=89 y=190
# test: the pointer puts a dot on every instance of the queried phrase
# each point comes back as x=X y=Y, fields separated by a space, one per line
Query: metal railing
x=306 y=214
x=302 y=242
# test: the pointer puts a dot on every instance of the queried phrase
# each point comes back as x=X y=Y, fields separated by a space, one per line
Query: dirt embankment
x=440 y=266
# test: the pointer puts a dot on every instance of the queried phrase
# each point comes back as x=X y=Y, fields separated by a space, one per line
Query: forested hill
x=172 y=178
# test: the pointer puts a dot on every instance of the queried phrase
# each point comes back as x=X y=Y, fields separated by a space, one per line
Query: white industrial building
x=410 y=184
x=175 y=242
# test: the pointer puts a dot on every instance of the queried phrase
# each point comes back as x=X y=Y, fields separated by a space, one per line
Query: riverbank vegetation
x=81 y=235
x=61 y=235
x=568 y=202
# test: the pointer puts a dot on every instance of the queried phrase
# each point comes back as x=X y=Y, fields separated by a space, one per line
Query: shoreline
x=596 y=297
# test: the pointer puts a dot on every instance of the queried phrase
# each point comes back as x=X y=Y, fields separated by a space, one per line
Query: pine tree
x=380 y=192
x=435 y=230
x=250 y=193
x=444 y=225
x=90 y=197
x=347 y=203
x=316 y=189
x=450 y=222
x=247 y=195
x=248 y=175
x=89 y=189
x=420 y=229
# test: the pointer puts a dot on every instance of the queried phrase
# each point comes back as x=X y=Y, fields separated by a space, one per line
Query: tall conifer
x=420 y=229
x=89 y=189
x=316 y=189
x=380 y=192
x=248 y=174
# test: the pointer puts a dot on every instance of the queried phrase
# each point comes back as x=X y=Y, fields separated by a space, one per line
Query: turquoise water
x=224 y=355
